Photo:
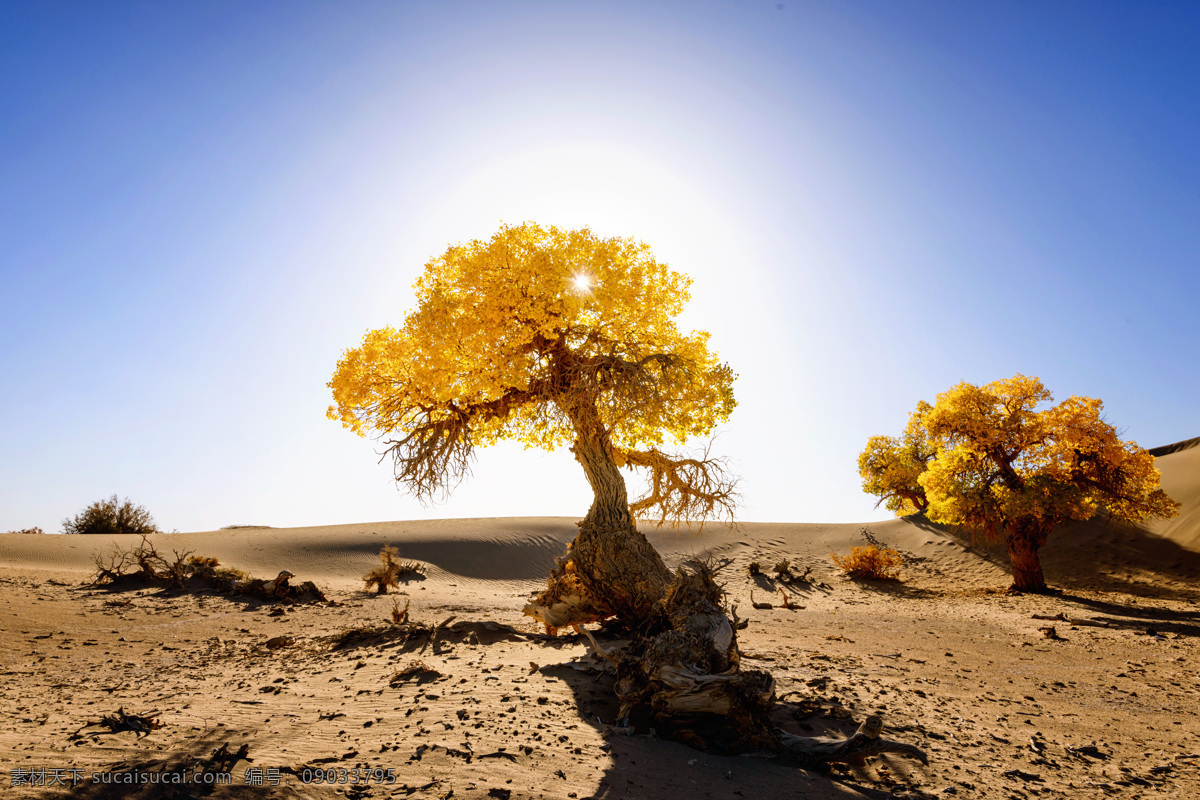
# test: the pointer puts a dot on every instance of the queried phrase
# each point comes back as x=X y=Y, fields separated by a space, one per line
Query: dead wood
x=787 y=602
x=416 y=672
x=1090 y=623
x=223 y=761
x=682 y=674
x=400 y=615
x=185 y=572
x=119 y=721
x=819 y=752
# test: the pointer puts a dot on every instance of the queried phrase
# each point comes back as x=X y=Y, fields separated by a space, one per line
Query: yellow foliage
x=997 y=460
x=870 y=562
x=496 y=320
x=891 y=467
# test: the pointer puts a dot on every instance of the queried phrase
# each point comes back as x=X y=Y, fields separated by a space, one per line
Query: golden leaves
x=998 y=458
x=508 y=314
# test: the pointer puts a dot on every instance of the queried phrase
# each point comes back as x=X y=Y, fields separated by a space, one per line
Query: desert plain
x=1092 y=691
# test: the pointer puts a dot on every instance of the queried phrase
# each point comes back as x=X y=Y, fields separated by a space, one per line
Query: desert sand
x=486 y=705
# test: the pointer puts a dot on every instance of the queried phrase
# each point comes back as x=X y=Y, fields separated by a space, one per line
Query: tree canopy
x=891 y=467
x=555 y=337
x=544 y=336
x=987 y=459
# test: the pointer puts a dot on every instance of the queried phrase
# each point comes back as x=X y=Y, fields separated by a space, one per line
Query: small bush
x=754 y=568
x=783 y=570
x=390 y=571
x=870 y=562
x=112 y=516
x=29 y=530
x=399 y=615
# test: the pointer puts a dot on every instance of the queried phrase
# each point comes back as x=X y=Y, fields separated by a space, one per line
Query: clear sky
x=203 y=203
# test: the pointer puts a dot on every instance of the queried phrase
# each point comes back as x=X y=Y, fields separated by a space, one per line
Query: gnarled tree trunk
x=610 y=568
x=682 y=668
x=1025 y=537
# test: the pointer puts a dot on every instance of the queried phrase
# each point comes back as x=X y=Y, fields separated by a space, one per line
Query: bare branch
x=684 y=490
x=435 y=455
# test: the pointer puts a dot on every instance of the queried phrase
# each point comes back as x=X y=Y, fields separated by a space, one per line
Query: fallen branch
x=1071 y=621
x=819 y=751
x=120 y=721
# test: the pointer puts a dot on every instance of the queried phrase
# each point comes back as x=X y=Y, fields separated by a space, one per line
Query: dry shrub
x=870 y=562
x=143 y=565
x=29 y=530
x=112 y=516
x=754 y=568
x=783 y=570
x=390 y=571
x=399 y=615
x=118 y=565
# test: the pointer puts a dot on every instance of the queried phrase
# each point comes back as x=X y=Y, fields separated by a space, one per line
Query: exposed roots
x=681 y=673
x=565 y=602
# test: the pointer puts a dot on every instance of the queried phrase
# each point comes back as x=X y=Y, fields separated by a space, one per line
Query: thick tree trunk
x=612 y=558
x=1025 y=537
x=610 y=569
x=682 y=665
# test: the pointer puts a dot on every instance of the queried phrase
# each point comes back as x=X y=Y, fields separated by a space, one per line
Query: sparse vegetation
x=112 y=516
x=870 y=562
x=391 y=570
x=399 y=615
x=143 y=565
x=244 y=527
x=783 y=570
x=754 y=568
x=29 y=530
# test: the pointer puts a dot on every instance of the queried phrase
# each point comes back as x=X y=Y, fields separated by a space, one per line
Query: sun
x=581 y=283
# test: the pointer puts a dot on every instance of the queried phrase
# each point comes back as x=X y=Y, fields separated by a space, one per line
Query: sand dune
x=952 y=663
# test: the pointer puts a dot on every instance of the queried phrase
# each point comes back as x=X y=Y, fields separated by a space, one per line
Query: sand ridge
x=485 y=705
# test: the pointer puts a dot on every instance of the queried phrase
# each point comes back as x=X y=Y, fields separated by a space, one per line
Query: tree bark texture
x=682 y=666
x=610 y=569
x=1025 y=538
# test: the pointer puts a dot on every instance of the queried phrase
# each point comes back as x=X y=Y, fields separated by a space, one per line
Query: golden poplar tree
x=553 y=337
x=559 y=337
x=1007 y=470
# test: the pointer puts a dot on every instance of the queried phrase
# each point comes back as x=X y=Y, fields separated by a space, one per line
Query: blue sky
x=204 y=203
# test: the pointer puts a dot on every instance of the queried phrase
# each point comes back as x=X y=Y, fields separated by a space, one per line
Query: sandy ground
x=952 y=663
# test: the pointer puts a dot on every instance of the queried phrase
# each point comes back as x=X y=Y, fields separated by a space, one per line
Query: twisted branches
x=435 y=455
x=684 y=490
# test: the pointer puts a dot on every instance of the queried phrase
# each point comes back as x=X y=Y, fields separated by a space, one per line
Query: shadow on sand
x=1123 y=558
x=643 y=765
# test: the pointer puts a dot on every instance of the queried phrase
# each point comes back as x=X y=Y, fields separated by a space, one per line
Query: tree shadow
x=1139 y=618
x=525 y=558
x=189 y=772
x=1100 y=554
x=645 y=764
